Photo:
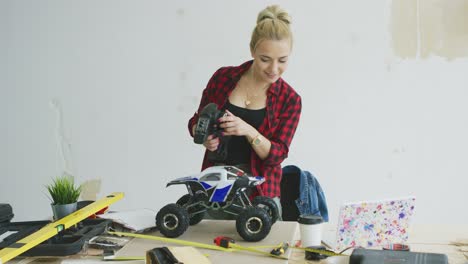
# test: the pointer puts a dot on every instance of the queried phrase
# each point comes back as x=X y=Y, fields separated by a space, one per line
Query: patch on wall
x=90 y=189
x=420 y=28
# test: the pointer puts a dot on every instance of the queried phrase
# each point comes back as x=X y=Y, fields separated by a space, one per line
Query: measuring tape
x=195 y=244
x=56 y=227
x=172 y=240
x=230 y=249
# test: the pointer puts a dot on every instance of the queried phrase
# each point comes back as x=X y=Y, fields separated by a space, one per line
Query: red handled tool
x=223 y=241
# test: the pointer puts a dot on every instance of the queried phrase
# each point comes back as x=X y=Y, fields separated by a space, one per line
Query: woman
x=263 y=111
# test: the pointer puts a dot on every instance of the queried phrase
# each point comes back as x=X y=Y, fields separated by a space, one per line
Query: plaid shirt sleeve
x=284 y=114
x=284 y=132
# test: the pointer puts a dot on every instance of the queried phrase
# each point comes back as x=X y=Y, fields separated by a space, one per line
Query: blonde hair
x=272 y=24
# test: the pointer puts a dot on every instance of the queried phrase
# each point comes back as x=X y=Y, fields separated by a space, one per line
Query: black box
x=6 y=212
x=370 y=256
x=68 y=242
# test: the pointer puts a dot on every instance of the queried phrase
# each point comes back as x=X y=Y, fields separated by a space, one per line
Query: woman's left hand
x=234 y=126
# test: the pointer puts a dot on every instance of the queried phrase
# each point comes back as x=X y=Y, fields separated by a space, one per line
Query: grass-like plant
x=63 y=190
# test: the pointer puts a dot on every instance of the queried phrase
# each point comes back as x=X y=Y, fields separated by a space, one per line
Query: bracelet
x=256 y=140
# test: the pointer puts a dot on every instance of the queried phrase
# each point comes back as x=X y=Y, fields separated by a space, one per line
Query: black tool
x=310 y=255
x=208 y=125
x=278 y=251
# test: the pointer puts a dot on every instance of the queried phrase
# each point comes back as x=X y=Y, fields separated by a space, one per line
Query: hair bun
x=273 y=23
x=274 y=12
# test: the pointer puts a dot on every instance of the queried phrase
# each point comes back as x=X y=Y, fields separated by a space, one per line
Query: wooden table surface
x=430 y=238
x=423 y=238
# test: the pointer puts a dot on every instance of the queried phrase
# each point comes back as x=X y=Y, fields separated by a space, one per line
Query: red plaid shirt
x=283 y=110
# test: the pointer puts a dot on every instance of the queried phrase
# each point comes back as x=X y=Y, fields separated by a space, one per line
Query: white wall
x=129 y=74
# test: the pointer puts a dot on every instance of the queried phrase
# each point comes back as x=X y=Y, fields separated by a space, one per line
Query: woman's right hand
x=211 y=143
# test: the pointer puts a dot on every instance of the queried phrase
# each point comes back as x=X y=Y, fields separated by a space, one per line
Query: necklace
x=248 y=97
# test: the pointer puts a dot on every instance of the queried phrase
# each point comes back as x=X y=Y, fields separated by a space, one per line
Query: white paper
x=136 y=220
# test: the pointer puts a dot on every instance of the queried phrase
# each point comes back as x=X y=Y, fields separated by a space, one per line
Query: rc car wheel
x=194 y=218
x=269 y=205
x=253 y=224
x=172 y=220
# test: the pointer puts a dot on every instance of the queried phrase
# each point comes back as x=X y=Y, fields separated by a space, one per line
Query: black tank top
x=239 y=148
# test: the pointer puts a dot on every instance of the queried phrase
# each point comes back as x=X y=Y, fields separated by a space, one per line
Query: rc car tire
x=269 y=205
x=253 y=224
x=194 y=219
x=172 y=220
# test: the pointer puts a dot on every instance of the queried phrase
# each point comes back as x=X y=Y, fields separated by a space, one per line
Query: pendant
x=246 y=102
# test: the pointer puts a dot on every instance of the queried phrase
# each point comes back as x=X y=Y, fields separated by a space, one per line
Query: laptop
x=371 y=224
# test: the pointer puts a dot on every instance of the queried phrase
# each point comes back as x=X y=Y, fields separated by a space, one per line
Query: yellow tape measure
x=215 y=247
x=172 y=240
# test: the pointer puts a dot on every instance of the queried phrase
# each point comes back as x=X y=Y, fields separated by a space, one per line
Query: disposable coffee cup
x=311 y=230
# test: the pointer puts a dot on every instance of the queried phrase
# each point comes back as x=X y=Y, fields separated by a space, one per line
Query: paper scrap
x=136 y=220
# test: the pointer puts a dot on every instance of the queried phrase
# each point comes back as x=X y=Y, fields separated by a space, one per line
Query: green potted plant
x=64 y=195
